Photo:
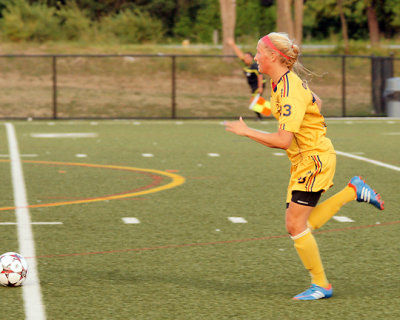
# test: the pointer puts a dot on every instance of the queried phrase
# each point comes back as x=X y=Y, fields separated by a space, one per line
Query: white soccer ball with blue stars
x=13 y=269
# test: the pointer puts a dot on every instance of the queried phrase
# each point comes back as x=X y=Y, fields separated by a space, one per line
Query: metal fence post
x=54 y=87
x=173 y=110
x=343 y=86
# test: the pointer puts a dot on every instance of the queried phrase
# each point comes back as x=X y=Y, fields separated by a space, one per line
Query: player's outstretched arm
x=235 y=48
x=280 y=140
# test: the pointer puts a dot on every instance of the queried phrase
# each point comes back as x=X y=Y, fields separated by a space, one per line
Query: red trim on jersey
x=284 y=87
x=318 y=168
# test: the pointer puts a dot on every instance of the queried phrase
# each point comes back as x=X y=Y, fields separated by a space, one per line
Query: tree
x=344 y=26
x=298 y=20
x=373 y=26
x=286 y=23
x=228 y=17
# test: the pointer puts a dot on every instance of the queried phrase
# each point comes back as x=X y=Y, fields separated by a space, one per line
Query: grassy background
x=175 y=264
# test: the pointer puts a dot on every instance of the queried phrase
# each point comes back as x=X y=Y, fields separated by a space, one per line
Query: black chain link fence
x=165 y=86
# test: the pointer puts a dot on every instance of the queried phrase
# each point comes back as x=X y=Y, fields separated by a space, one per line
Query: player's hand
x=230 y=41
x=238 y=127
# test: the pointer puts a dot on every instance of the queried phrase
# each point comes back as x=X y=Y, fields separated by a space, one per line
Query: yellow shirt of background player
x=294 y=106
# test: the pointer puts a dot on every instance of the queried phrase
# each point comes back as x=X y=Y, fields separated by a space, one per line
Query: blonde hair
x=290 y=50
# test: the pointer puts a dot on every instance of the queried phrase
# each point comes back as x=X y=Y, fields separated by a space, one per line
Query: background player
x=255 y=79
x=302 y=133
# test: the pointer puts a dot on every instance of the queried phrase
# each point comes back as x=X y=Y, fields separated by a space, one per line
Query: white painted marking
x=37 y=223
x=237 y=220
x=218 y=230
x=375 y=162
x=21 y=155
x=131 y=220
x=51 y=123
x=178 y=122
x=65 y=135
x=81 y=155
x=391 y=133
x=130 y=59
x=147 y=155
x=34 y=308
x=279 y=154
x=136 y=123
x=343 y=219
x=213 y=154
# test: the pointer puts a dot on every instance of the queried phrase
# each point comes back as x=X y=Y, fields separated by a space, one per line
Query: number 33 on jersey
x=294 y=106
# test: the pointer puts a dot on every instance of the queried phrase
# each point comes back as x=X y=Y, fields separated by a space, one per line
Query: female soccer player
x=255 y=80
x=302 y=133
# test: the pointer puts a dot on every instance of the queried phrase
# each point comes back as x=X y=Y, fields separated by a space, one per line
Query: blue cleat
x=315 y=292
x=365 y=193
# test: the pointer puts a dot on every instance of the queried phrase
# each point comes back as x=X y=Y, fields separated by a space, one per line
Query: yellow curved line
x=176 y=181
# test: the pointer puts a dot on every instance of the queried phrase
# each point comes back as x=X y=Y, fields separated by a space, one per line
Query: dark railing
x=198 y=88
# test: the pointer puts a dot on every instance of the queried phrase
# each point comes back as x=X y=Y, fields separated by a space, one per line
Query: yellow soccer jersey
x=294 y=106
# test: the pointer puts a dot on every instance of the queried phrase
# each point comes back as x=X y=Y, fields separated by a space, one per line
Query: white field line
x=38 y=223
x=131 y=220
x=33 y=305
x=237 y=220
x=375 y=162
x=65 y=135
x=342 y=219
x=21 y=155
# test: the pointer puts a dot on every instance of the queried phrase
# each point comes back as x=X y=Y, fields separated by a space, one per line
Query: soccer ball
x=13 y=269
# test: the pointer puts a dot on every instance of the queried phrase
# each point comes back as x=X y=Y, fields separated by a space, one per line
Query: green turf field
x=185 y=259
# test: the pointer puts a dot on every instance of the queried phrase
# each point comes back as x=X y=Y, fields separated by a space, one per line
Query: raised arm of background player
x=241 y=56
x=237 y=50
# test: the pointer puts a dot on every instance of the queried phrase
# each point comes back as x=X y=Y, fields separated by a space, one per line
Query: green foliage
x=183 y=28
x=75 y=23
x=208 y=20
x=23 y=21
x=132 y=27
x=268 y=20
x=253 y=20
x=247 y=20
x=131 y=21
x=165 y=10
x=321 y=18
x=389 y=13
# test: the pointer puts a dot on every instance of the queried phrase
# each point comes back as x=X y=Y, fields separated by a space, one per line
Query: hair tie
x=269 y=43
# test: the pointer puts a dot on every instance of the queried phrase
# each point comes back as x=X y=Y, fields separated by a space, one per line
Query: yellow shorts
x=313 y=174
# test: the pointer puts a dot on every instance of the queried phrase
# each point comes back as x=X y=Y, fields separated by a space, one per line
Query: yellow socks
x=327 y=209
x=305 y=243
x=308 y=252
